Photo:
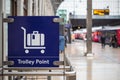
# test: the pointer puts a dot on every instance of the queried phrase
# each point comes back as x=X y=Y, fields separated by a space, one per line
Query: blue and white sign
x=33 y=41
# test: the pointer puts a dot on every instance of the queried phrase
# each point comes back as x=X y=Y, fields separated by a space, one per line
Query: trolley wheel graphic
x=42 y=51
x=26 y=51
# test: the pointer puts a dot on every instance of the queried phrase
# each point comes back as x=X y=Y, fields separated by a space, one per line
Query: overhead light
x=78 y=27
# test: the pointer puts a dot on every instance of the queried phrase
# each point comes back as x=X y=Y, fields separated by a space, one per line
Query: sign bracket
x=9 y=20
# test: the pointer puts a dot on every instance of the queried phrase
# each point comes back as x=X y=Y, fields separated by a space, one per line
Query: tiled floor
x=104 y=65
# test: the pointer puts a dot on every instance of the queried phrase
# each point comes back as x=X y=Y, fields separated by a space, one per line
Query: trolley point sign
x=33 y=41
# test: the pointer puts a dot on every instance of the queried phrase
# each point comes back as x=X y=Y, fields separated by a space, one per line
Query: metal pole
x=69 y=35
x=89 y=26
x=1 y=38
x=49 y=77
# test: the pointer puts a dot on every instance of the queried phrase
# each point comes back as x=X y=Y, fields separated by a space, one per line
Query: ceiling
x=96 y=21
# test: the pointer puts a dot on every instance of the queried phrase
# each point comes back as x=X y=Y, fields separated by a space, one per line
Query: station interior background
x=74 y=11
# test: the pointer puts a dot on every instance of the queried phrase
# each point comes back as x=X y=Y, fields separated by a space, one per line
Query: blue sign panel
x=33 y=41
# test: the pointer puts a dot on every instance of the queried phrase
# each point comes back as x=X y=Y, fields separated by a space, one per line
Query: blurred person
x=65 y=34
x=103 y=41
x=114 y=41
x=73 y=37
x=110 y=41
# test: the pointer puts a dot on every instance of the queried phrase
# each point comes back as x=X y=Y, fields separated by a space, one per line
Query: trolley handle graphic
x=34 y=41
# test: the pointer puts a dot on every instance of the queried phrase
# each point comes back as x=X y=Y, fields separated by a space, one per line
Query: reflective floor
x=104 y=65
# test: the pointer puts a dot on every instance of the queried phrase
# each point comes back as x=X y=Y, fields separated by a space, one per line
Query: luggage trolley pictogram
x=34 y=41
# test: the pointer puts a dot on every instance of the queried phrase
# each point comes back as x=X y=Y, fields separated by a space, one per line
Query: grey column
x=20 y=6
x=1 y=37
x=43 y=7
x=29 y=13
x=40 y=7
x=35 y=7
x=89 y=26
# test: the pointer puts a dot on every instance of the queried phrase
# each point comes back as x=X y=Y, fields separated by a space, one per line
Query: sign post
x=33 y=41
x=1 y=38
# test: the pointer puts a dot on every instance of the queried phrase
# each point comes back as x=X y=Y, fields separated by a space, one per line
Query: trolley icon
x=34 y=40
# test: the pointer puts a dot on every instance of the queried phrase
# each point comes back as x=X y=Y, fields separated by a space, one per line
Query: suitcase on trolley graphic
x=34 y=41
